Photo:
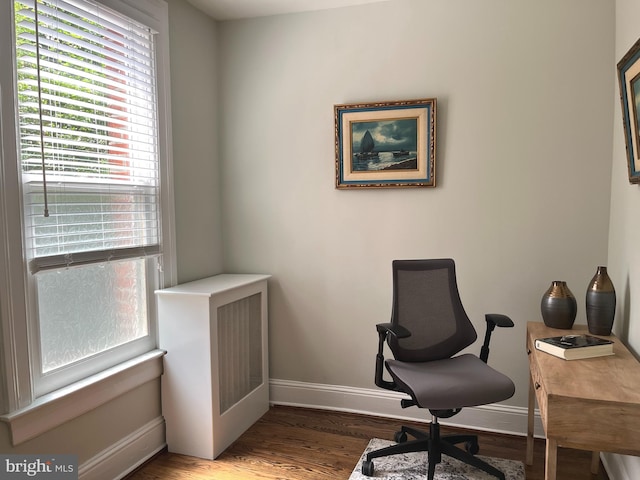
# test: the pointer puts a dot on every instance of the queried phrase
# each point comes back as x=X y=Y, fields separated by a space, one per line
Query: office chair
x=428 y=328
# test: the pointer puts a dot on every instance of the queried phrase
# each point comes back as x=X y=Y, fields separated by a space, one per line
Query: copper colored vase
x=601 y=303
x=558 y=306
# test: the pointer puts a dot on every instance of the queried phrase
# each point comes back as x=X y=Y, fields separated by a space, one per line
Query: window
x=94 y=163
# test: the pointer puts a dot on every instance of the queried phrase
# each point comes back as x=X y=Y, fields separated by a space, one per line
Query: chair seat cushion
x=462 y=381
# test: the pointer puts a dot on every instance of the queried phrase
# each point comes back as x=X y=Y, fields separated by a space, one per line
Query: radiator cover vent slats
x=239 y=349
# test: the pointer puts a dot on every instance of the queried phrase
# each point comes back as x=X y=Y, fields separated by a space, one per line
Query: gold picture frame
x=386 y=144
x=629 y=82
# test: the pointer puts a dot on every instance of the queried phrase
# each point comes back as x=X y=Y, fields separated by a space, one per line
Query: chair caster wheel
x=472 y=447
x=400 y=437
x=367 y=468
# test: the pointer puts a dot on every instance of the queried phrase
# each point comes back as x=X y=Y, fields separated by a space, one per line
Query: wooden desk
x=590 y=404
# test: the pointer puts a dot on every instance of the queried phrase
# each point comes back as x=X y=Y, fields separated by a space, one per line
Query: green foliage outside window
x=72 y=114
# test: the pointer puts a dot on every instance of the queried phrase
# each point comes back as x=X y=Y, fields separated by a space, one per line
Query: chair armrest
x=498 y=320
x=385 y=329
x=493 y=320
x=397 y=331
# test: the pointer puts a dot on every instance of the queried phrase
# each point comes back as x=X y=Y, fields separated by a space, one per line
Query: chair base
x=436 y=446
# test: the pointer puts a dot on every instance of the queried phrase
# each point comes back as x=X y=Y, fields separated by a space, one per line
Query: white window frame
x=18 y=400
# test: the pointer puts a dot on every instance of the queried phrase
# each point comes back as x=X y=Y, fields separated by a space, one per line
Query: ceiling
x=235 y=9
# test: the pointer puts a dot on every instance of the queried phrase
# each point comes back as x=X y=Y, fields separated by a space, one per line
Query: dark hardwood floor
x=302 y=444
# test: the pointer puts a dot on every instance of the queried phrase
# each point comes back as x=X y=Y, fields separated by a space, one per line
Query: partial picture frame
x=629 y=82
x=386 y=144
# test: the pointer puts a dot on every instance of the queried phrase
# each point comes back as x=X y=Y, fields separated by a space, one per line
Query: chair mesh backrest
x=427 y=303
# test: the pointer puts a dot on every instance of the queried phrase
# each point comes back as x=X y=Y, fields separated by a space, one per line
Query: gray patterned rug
x=412 y=466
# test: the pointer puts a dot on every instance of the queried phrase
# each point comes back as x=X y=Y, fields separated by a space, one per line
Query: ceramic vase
x=601 y=303
x=558 y=306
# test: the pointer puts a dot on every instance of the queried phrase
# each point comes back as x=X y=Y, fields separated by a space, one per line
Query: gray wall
x=624 y=232
x=523 y=166
x=195 y=141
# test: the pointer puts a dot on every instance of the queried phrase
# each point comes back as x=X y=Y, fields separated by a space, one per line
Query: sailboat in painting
x=366 y=147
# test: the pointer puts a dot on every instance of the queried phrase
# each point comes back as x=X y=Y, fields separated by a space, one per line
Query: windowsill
x=56 y=408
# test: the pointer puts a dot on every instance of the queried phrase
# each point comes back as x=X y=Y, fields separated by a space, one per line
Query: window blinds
x=88 y=133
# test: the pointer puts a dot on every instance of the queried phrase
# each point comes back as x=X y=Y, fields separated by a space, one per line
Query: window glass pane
x=86 y=310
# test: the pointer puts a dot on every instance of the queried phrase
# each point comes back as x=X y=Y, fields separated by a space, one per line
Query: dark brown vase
x=601 y=303
x=558 y=306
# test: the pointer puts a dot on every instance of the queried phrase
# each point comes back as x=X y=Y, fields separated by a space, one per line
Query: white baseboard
x=495 y=418
x=127 y=454
x=621 y=467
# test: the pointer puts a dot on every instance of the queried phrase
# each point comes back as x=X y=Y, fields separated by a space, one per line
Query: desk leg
x=595 y=462
x=532 y=406
x=551 y=460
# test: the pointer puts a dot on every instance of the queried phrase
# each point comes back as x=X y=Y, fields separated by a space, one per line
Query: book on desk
x=575 y=347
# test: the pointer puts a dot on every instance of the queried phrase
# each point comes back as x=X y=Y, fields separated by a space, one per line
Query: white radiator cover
x=216 y=374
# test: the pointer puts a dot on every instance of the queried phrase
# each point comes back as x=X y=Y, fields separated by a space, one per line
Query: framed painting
x=629 y=80
x=386 y=144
